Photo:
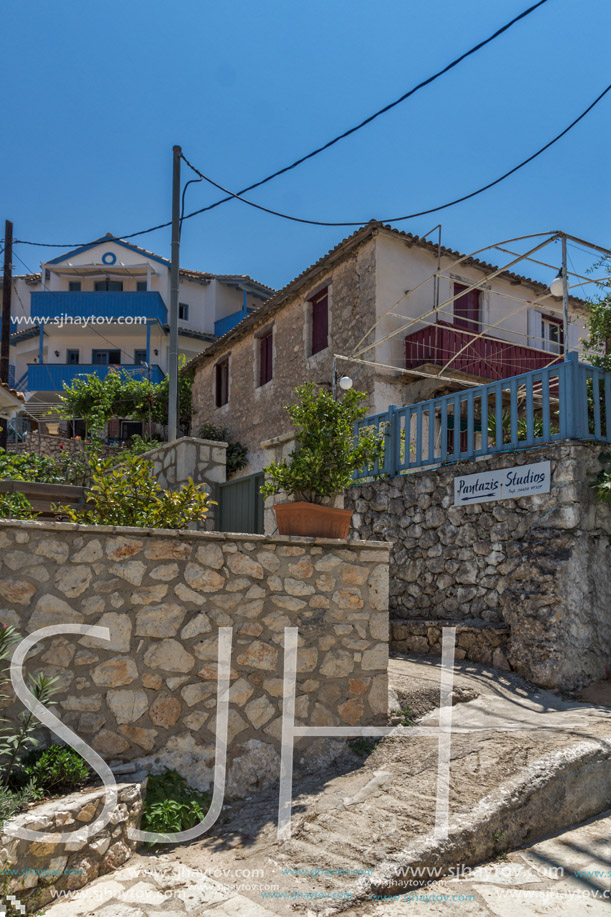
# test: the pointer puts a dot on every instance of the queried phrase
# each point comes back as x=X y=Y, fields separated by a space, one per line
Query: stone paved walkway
x=363 y=814
x=568 y=875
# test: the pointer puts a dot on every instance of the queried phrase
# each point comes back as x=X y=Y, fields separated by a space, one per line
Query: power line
x=321 y=149
x=409 y=216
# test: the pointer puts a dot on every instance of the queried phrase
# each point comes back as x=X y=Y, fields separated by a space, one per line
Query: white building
x=106 y=304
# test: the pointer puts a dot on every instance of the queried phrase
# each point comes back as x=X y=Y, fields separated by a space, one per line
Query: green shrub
x=127 y=493
x=29 y=466
x=13 y=801
x=327 y=453
x=56 y=769
x=16 y=506
x=171 y=804
x=237 y=454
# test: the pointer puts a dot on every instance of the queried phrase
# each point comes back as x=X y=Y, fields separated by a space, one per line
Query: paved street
x=567 y=875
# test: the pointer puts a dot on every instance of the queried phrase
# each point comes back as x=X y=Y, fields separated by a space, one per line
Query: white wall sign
x=504 y=484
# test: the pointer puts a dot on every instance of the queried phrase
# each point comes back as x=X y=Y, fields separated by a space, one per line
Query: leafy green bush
x=327 y=453
x=29 y=466
x=127 y=493
x=55 y=769
x=138 y=446
x=16 y=506
x=171 y=804
x=237 y=454
x=15 y=741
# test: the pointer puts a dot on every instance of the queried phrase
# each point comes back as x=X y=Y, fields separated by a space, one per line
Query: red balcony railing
x=485 y=357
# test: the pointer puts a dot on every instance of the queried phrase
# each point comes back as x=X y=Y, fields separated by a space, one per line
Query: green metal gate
x=241 y=505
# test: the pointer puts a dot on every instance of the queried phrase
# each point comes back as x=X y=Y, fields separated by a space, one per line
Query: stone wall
x=54 y=446
x=36 y=871
x=202 y=460
x=256 y=413
x=150 y=694
x=527 y=581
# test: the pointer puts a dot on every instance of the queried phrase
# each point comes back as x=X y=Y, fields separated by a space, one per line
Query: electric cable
x=322 y=148
x=409 y=216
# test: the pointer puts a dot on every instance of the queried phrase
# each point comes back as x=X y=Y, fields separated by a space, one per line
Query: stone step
x=476 y=640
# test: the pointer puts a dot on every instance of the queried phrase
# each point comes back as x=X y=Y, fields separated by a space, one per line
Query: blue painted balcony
x=223 y=325
x=51 y=307
x=50 y=377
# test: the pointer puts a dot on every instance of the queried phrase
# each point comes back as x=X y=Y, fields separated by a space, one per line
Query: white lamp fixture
x=556 y=287
x=345 y=383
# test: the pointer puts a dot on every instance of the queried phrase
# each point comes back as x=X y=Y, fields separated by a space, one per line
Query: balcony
x=50 y=377
x=484 y=357
x=223 y=325
x=51 y=307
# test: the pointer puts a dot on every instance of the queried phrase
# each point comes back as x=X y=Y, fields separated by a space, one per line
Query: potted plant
x=323 y=463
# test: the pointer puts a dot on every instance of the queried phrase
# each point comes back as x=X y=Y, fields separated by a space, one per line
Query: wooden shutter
x=320 y=322
x=222 y=383
x=466 y=309
x=535 y=329
x=266 y=370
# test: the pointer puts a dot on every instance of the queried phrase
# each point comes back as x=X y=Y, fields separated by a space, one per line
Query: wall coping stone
x=163 y=447
x=356 y=546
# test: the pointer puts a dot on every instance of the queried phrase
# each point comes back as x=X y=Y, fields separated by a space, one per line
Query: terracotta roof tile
x=356 y=238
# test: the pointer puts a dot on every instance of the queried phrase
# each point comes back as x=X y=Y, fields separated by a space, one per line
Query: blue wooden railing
x=566 y=401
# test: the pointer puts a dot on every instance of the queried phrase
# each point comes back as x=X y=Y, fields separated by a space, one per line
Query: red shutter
x=266 y=371
x=320 y=322
x=466 y=309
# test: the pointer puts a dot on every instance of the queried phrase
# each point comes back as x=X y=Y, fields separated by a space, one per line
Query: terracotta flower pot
x=312 y=520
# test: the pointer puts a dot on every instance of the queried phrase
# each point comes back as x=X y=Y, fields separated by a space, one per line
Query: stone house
x=372 y=299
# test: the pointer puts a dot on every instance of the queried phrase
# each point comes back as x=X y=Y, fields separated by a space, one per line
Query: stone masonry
x=37 y=870
x=54 y=445
x=525 y=581
x=202 y=460
x=256 y=413
x=150 y=694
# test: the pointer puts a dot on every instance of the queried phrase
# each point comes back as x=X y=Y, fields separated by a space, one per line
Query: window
x=222 y=382
x=141 y=286
x=266 y=358
x=130 y=428
x=552 y=334
x=74 y=286
x=320 y=321
x=108 y=286
x=466 y=308
x=106 y=357
x=140 y=356
x=183 y=311
x=72 y=356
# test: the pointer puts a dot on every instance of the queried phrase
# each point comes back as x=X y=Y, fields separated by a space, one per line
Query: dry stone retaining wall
x=527 y=582
x=151 y=693
x=36 y=871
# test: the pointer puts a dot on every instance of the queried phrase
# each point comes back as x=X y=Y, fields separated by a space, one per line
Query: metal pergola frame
x=362 y=348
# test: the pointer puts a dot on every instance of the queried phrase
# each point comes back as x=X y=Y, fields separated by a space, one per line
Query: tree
x=327 y=453
x=97 y=400
x=598 y=342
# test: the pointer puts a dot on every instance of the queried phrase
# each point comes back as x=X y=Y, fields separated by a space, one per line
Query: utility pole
x=174 y=280
x=565 y=298
x=5 y=340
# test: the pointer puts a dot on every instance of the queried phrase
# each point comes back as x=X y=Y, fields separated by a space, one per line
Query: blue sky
x=95 y=95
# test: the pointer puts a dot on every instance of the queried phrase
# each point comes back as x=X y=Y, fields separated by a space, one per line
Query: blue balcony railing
x=223 y=325
x=50 y=377
x=566 y=401
x=51 y=307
